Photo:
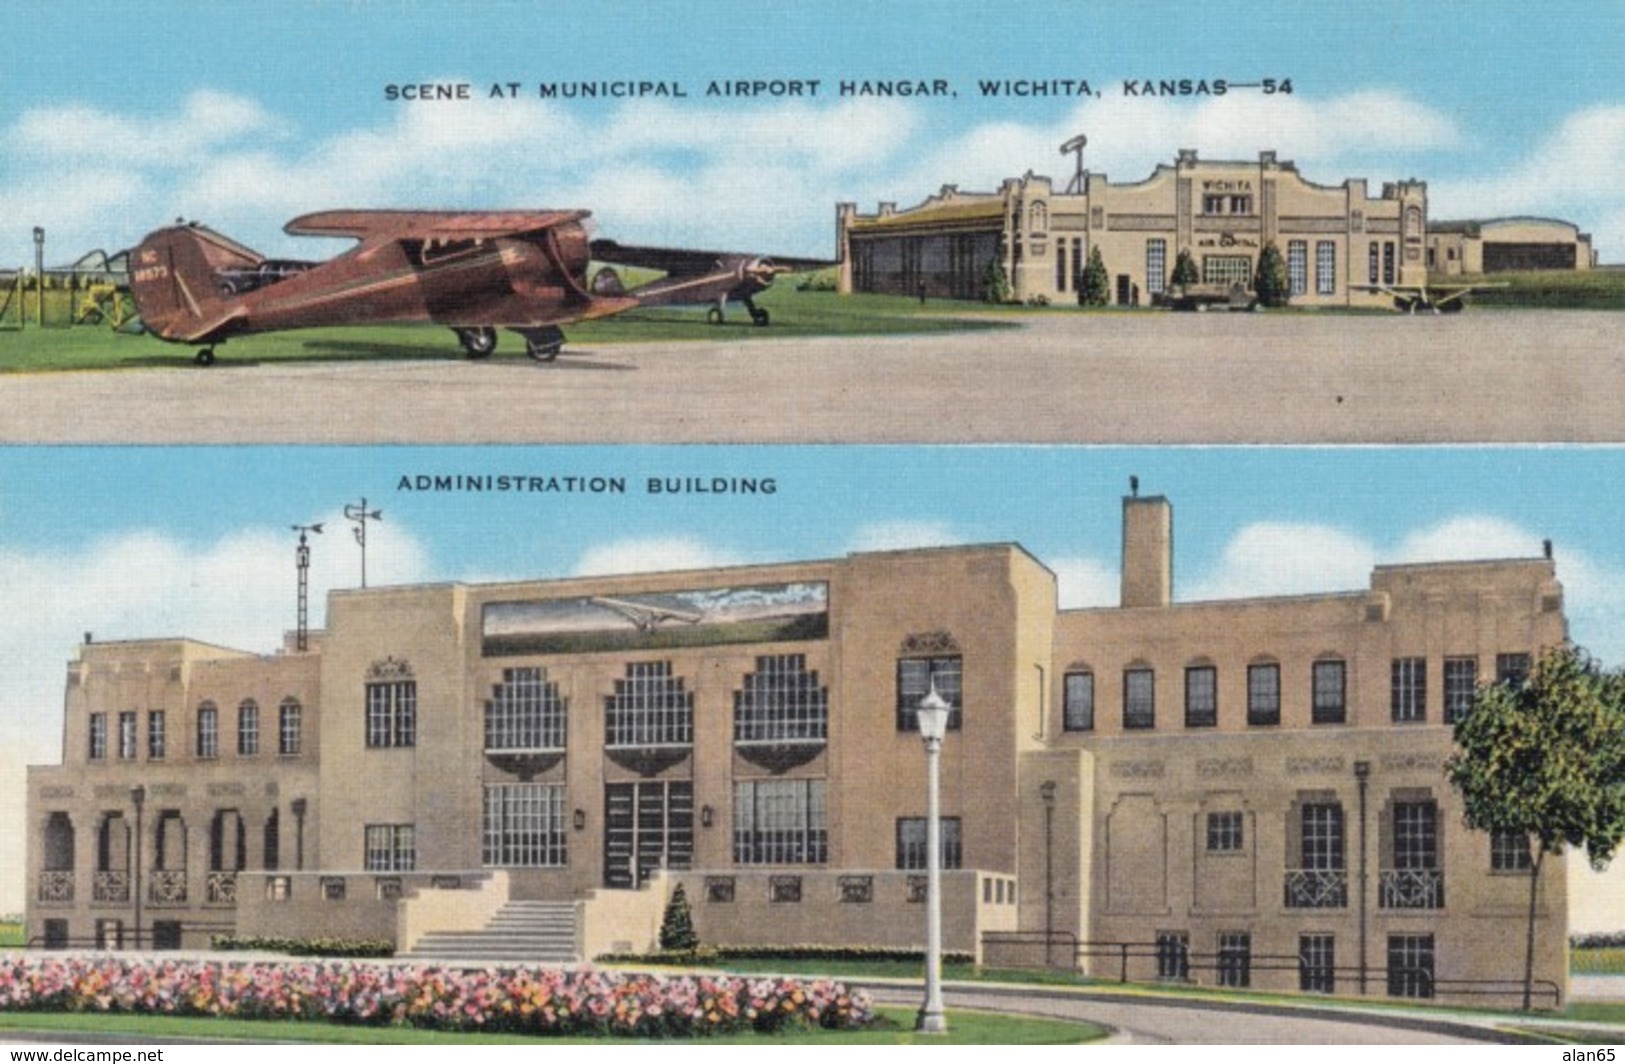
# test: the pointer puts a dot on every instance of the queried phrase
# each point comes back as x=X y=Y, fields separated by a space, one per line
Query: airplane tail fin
x=177 y=276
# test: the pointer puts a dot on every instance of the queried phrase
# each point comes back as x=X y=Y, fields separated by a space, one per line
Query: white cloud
x=903 y=535
x=651 y=555
x=238 y=591
x=1280 y=558
x=1084 y=582
x=1290 y=559
x=746 y=176
x=1129 y=136
x=1572 y=174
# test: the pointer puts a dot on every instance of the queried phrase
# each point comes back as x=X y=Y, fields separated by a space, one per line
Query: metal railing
x=1316 y=888
x=1152 y=962
x=110 y=887
x=1411 y=888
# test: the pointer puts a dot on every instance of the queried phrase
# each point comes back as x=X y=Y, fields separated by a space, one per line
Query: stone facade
x=1244 y=791
x=1337 y=240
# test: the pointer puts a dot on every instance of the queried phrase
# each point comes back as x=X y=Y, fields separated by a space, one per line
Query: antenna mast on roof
x=302 y=563
x=1075 y=146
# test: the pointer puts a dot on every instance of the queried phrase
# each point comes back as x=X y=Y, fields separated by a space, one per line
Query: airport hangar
x=1241 y=792
x=1339 y=242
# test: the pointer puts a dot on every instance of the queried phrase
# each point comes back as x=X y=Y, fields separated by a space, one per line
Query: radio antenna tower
x=359 y=513
x=1075 y=147
x=302 y=563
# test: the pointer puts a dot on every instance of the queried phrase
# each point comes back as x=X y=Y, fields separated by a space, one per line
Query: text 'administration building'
x=1243 y=792
x=1337 y=240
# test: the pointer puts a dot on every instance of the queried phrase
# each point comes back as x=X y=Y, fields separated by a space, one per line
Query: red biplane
x=474 y=272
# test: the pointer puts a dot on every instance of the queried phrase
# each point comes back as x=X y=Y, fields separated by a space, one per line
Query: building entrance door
x=648 y=825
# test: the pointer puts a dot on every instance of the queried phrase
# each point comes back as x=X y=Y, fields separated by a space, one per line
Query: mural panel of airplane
x=474 y=272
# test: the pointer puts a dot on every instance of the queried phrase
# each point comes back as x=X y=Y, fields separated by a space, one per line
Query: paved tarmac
x=1481 y=376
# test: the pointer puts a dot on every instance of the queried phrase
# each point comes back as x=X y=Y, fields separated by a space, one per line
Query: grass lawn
x=11 y=934
x=795 y=314
x=1607 y=961
x=895 y=1027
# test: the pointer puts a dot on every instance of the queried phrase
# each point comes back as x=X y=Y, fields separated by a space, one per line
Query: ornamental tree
x=677 y=926
x=1270 y=282
x=995 y=285
x=1184 y=270
x=1096 y=288
x=1545 y=758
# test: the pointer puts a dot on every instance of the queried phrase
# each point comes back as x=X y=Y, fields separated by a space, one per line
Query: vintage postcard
x=542 y=485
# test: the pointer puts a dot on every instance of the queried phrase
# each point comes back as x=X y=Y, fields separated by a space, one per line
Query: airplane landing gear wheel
x=714 y=315
x=543 y=344
x=759 y=316
x=478 y=343
x=205 y=356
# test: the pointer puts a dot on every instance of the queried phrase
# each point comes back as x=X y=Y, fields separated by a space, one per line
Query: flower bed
x=530 y=1000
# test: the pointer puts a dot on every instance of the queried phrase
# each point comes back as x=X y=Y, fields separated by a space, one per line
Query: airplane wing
x=428 y=225
x=684 y=262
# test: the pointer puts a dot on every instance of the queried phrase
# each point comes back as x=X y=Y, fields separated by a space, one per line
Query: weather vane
x=359 y=513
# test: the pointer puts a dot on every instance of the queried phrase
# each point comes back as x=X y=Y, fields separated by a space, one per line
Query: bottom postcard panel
x=564 y=704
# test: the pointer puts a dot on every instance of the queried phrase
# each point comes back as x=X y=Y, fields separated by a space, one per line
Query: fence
x=1175 y=962
x=65 y=298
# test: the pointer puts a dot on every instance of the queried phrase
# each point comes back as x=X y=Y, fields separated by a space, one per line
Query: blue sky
x=119 y=118
x=141 y=542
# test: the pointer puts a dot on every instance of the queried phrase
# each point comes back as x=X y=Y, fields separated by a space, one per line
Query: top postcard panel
x=315 y=222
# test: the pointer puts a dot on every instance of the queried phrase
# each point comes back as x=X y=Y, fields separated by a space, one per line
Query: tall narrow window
x=916 y=677
x=1078 y=709
x=1373 y=261
x=1264 y=694
x=1235 y=958
x=290 y=727
x=1460 y=685
x=1317 y=964
x=392 y=705
x=98 y=737
x=1408 y=700
x=1330 y=684
x=155 y=735
x=1325 y=268
x=208 y=730
x=126 y=735
x=1139 y=698
x=248 y=728
x=1201 y=696
x=1156 y=265
x=1388 y=262
x=1297 y=266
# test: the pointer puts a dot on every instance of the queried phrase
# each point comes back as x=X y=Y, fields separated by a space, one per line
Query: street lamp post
x=1362 y=774
x=1046 y=791
x=933 y=718
x=39 y=278
x=138 y=798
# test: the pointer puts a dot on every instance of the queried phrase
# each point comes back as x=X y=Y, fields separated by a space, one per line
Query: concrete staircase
x=521 y=932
